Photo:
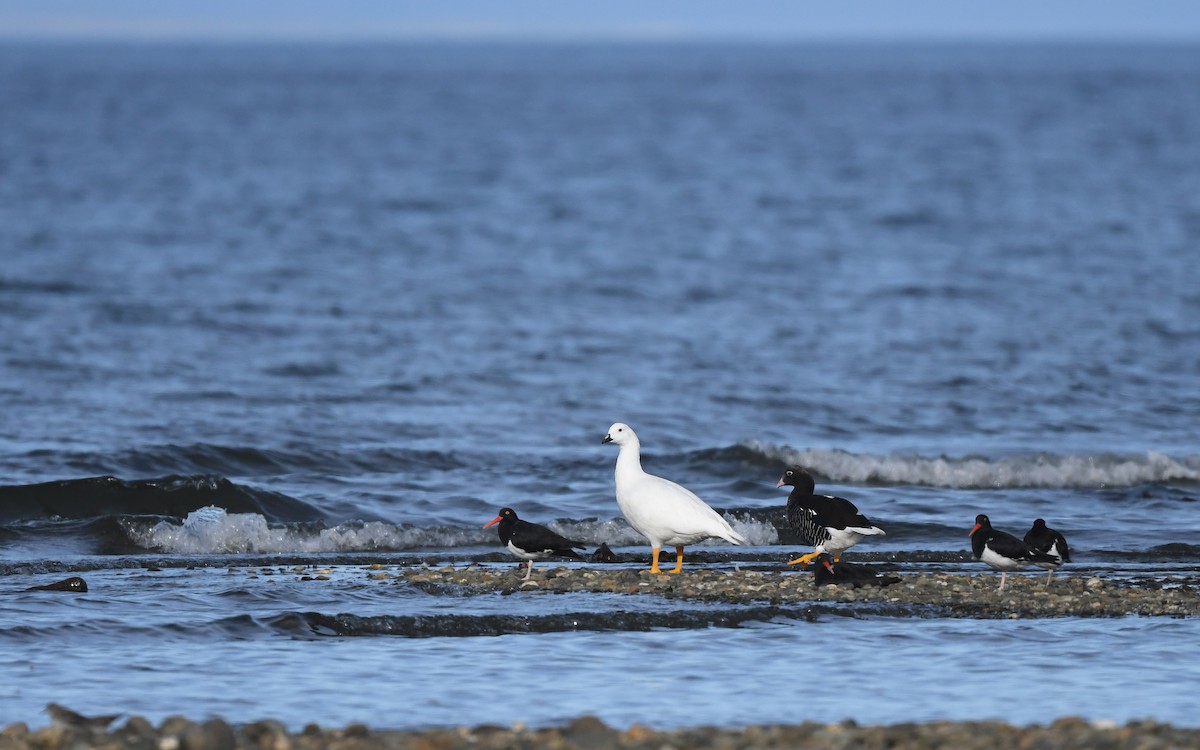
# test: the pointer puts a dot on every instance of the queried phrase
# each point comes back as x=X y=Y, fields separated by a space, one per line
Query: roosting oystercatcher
x=530 y=541
x=1002 y=551
x=828 y=573
x=1042 y=538
x=659 y=509
x=831 y=524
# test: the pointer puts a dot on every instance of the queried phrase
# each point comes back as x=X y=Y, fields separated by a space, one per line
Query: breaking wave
x=213 y=530
x=1041 y=470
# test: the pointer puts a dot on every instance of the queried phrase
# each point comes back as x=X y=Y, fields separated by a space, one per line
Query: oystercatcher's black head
x=825 y=561
x=506 y=514
x=1039 y=525
x=981 y=522
x=798 y=477
x=826 y=572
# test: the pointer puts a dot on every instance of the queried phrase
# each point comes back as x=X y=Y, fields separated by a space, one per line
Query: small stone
x=268 y=735
x=18 y=729
x=637 y=733
x=174 y=725
x=213 y=734
x=49 y=738
x=358 y=730
x=139 y=725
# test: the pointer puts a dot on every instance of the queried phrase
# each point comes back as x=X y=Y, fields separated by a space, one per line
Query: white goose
x=659 y=509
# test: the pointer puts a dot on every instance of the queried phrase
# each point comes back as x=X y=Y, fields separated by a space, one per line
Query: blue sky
x=624 y=19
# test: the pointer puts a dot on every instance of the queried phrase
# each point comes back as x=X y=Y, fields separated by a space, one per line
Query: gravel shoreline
x=914 y=595
x=589 y=733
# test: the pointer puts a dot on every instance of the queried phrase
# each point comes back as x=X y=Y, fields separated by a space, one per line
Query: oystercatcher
x=1002 y=551
x=659 y=509
x=830 y=524
x=530 y=541
x=828 y=573
x=1046 y=540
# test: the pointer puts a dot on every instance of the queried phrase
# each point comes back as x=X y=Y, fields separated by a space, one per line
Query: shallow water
x=135 y=651
x=268 y=306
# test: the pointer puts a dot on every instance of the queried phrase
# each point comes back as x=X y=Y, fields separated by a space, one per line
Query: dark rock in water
x=605 y=555
x=174 y=495
x=73 y=584
x=829 y=573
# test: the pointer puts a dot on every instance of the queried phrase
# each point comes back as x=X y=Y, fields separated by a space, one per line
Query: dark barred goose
x=831 y=524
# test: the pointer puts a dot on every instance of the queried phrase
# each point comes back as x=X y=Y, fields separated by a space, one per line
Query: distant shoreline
x=178 y=733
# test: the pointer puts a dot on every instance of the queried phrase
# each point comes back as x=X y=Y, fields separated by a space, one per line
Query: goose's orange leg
x=678 y=559
x=804 y=560
x=654 y=561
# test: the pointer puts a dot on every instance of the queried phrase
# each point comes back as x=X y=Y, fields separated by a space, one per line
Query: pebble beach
x=916 y=595
x=589 y=733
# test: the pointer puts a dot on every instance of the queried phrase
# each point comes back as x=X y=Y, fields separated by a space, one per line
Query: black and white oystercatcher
x=1002 y=551
x=830 y=524
x=828 y=573
x=530 y=541
x=1042 y=538
x=659 y=509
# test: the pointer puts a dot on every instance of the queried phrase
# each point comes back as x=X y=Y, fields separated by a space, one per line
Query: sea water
x=291 y=308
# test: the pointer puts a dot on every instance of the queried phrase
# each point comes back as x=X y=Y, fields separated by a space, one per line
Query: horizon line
x=592 y=37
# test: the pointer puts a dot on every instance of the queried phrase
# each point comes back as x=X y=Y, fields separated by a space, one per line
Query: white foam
x=212 y=530
x=757 y=533
x=1039 y=470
